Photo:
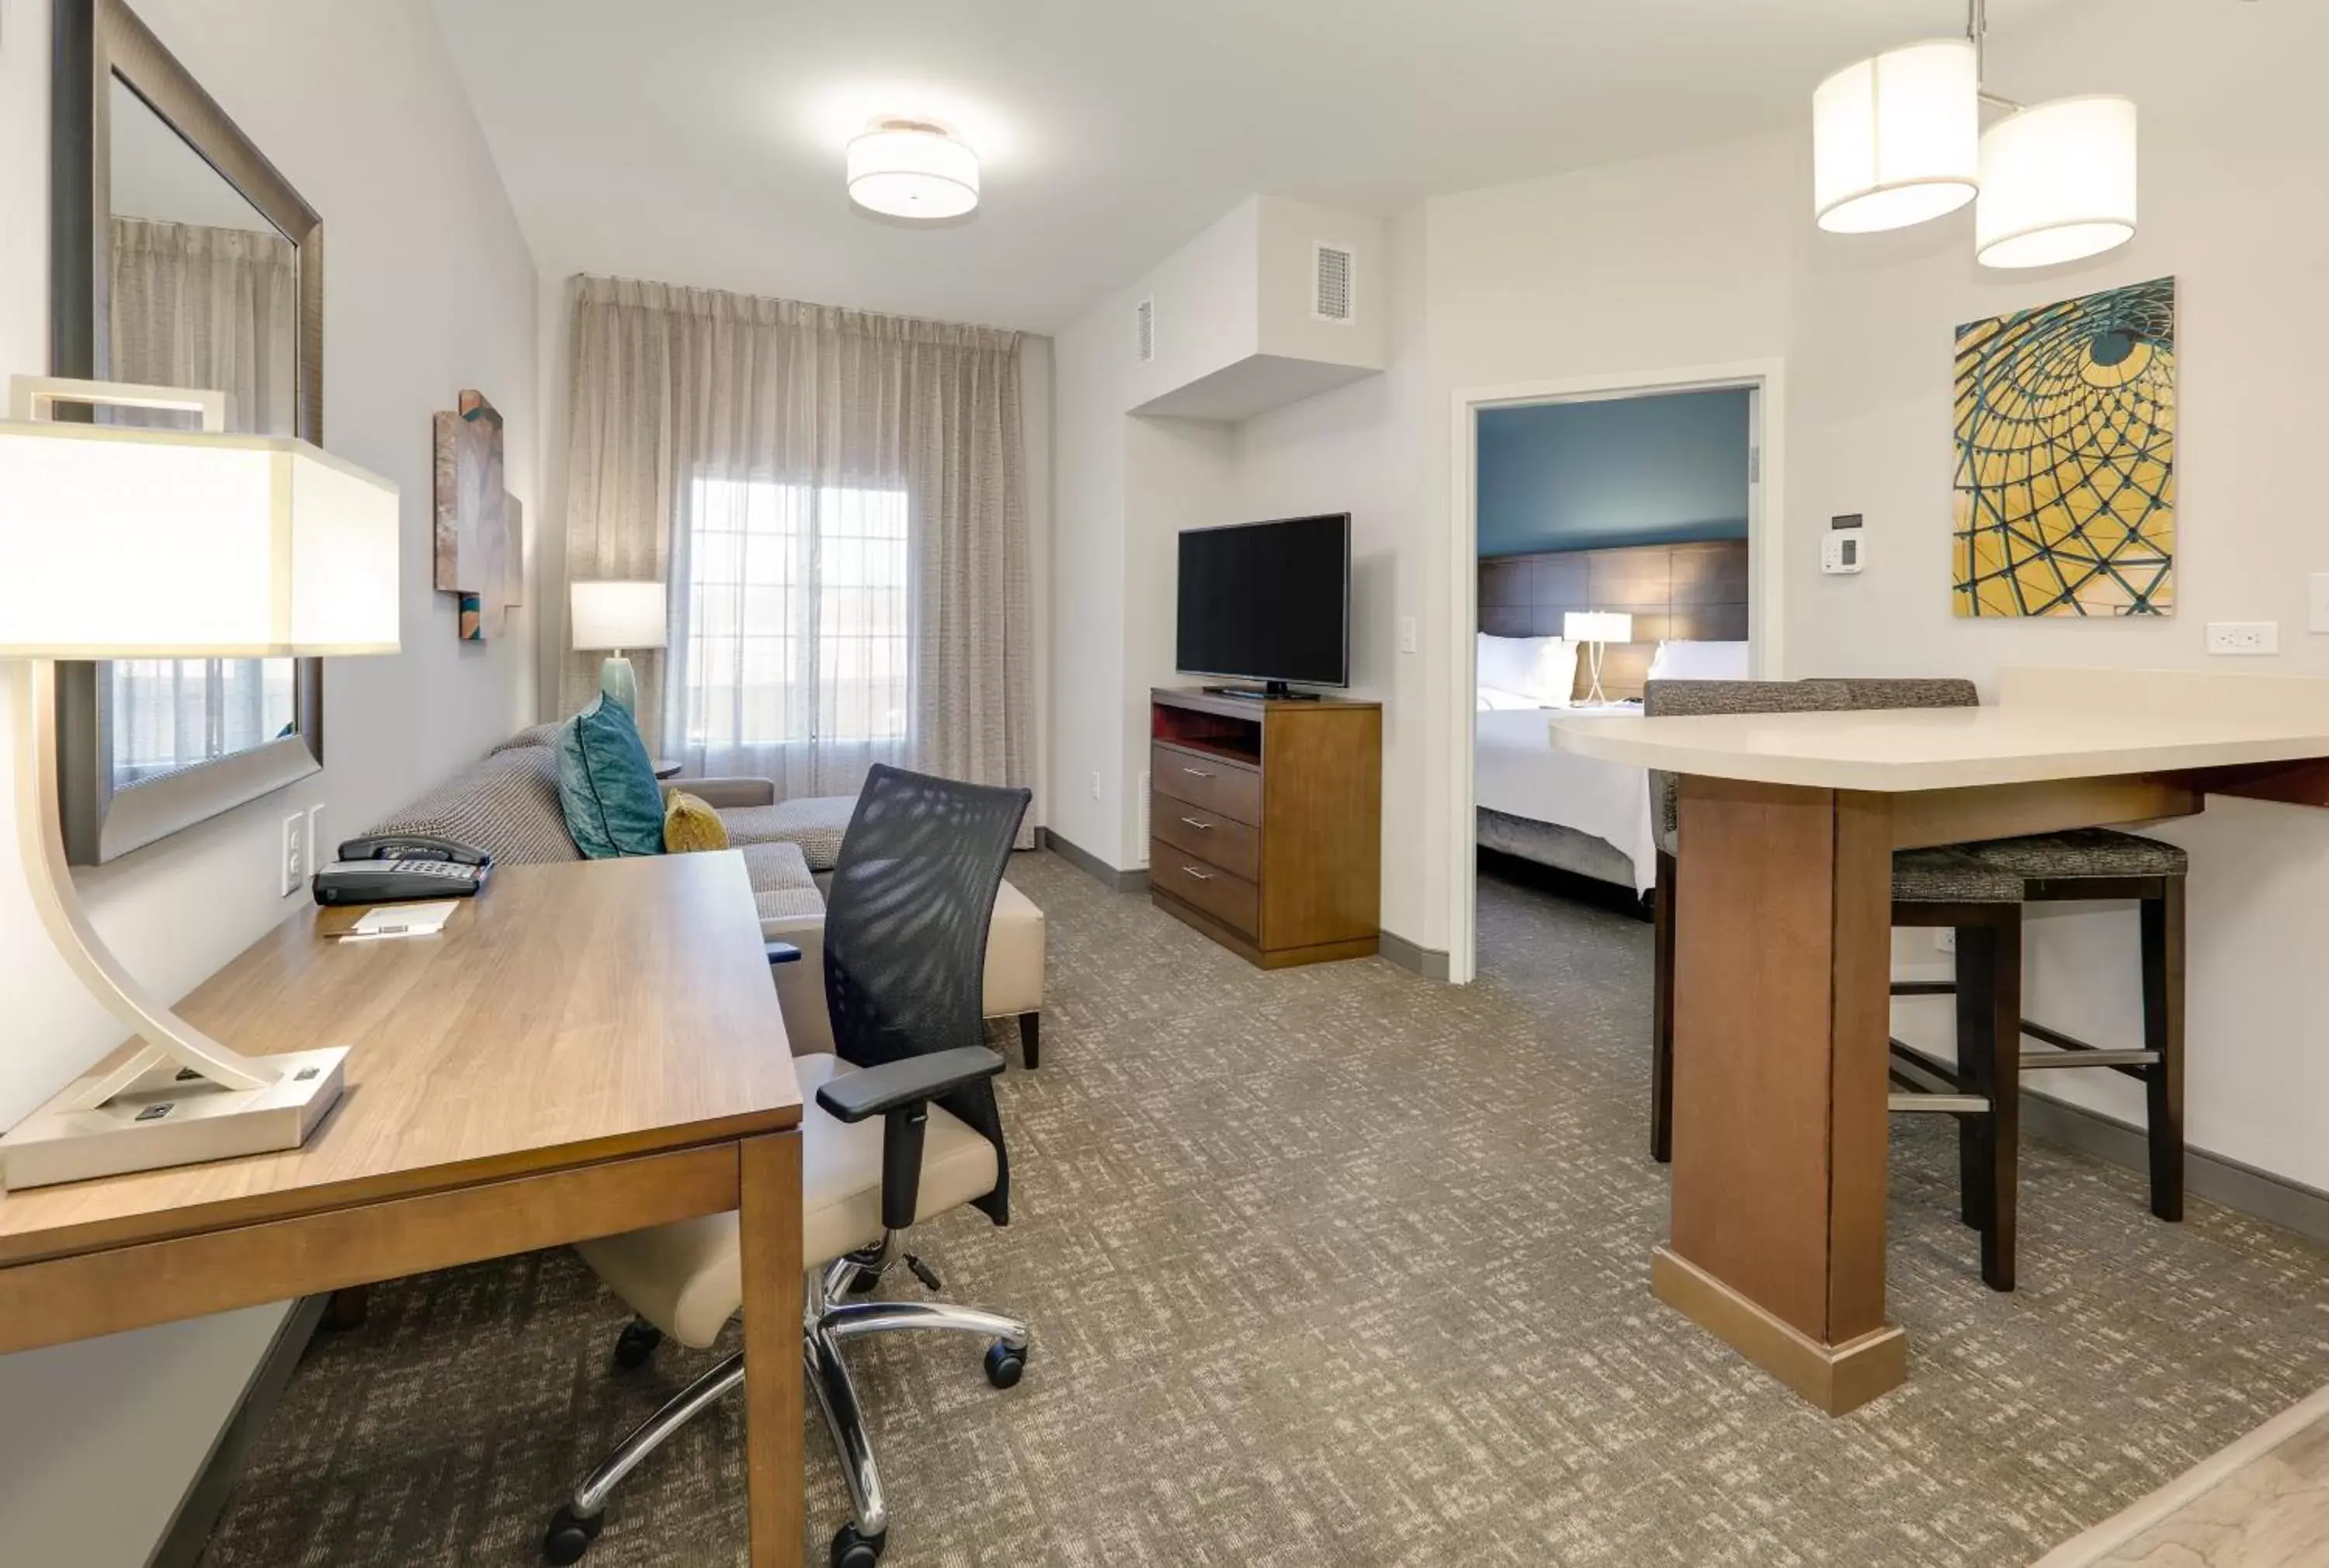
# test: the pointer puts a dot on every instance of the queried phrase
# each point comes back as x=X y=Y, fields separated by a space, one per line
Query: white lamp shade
x=118 y=542
x=1597 y=626
x=2057 y=183
x=619 y=615
x=907 y=170
x=1896 y=140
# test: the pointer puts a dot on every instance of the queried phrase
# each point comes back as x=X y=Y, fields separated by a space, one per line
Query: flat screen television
x=1268 y=601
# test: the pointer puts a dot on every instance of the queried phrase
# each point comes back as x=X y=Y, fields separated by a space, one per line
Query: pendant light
x=2057 y=183
x=1896 y=139
x=912 y=169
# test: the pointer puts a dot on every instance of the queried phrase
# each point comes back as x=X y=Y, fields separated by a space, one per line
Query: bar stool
x=1979 y=891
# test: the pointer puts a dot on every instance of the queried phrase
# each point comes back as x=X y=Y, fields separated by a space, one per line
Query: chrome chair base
x=827 y=1322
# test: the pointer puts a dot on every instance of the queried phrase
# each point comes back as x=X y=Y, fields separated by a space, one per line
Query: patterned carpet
x=1337 y=1267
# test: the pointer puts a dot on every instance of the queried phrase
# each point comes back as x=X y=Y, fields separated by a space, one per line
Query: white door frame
x=1765 y=548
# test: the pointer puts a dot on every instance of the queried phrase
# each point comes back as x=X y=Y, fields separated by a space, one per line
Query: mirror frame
x=96 y=42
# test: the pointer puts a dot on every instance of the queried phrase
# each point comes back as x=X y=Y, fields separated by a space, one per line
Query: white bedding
x=1517 y=772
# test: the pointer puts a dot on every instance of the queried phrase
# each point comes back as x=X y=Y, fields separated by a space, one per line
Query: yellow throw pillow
x=689 y=825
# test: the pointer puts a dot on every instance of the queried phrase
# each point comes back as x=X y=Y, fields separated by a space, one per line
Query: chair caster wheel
x=1004 y=1364
x=852 y=1550
x=570 y=1536
x=637 y=1343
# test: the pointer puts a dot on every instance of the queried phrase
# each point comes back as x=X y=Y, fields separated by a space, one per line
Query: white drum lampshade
x=2058 y=183
x=912 y=169
x=1896 y=140
x=119 y=542
x=616 y=615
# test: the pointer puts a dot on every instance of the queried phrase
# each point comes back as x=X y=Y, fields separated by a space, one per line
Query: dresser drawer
x=1202 y=780
x=1230 y=899
x=1217 y=839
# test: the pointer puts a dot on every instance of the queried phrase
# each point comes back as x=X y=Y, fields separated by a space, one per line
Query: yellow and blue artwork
x=2066 y=457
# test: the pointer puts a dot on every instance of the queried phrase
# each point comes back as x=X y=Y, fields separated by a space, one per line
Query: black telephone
x=391 y=868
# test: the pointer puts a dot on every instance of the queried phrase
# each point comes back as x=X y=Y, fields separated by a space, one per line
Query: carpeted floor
x=1337 y=1267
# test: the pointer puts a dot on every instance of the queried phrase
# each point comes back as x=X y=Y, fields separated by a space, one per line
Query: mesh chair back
x=905 y=929
x=1691 y=699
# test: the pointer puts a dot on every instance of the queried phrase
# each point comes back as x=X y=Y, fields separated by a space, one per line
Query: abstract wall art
x=2065 y=490
x=479 y=535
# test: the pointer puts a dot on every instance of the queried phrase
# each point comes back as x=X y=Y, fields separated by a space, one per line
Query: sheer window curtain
x=837 y=500
x=213 y=309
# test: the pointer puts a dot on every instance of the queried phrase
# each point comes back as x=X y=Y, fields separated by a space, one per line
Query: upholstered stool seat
x=2083 y=852
x=1951 y=875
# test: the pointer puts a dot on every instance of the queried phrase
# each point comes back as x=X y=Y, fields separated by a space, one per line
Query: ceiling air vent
x=1144 y=331
x=1333 y=283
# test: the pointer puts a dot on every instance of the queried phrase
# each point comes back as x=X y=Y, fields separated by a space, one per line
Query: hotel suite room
x=1409 y=1153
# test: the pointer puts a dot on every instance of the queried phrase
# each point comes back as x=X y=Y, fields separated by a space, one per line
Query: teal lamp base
x=620 y=683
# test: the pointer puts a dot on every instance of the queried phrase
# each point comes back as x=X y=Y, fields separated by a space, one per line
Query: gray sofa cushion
x=506 y=805
x=815 y=823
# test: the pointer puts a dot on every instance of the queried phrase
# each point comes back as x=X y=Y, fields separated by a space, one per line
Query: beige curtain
x=837 y=501
x=215 y=309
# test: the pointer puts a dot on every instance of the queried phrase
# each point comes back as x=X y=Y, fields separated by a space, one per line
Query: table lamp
x=122 y=542
x=616 y=615
x=1597 y=629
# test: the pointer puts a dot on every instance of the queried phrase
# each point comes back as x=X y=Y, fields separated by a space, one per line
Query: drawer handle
x=1201 y=827
x=1200 y=876
x=1196 y=773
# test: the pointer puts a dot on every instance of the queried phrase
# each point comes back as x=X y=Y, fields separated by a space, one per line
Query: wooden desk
x=1783 y=953
x=588 y=1048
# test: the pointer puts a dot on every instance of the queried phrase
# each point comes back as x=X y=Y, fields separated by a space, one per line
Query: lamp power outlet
x=295 y=854
x=2249 y=639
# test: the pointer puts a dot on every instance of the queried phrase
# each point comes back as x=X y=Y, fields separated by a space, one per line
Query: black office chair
x=905 y=954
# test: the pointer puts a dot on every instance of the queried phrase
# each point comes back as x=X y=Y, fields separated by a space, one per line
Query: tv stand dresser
x=1265 y=822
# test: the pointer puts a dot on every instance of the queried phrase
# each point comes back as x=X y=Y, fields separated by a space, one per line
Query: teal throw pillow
x=606 y=784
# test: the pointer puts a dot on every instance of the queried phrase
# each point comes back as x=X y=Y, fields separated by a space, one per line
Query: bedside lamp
x=616 y=615
x=120 y=543
x=1597 y=629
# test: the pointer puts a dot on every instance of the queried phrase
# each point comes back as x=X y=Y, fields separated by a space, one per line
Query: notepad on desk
x=392 y=920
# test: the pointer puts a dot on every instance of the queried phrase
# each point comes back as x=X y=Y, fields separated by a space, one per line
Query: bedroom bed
x=1688 y=604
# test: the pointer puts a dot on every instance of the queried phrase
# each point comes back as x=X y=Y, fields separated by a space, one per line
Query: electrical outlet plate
x=2243 y=639
x=294 y=854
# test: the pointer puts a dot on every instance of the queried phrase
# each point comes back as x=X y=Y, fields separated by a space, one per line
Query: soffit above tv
x=1253 y=385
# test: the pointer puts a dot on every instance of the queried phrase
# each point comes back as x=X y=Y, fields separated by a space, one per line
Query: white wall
x=429 y=289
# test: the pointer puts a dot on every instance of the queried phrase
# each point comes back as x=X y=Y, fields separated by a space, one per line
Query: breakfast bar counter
x=1783 y=959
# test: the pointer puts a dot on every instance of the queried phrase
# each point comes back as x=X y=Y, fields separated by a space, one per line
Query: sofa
x=507 y=806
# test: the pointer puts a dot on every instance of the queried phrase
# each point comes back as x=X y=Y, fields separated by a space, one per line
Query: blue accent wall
x=1655 y=470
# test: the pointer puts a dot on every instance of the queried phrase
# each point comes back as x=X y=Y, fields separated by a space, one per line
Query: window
x=796 y=615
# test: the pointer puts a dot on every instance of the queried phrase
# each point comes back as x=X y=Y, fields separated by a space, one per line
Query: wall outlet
x=1095 y=785
x=1945 y=939
x=1409 y=643
x=2320 y=602
x=2243 y=639
x=295 y=853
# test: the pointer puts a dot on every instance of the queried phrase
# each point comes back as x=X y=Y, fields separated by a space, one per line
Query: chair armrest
x=717 y=793
x=876 y=1091
x=783 y=952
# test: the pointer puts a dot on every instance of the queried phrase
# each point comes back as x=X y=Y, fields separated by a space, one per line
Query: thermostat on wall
x=1840 y=551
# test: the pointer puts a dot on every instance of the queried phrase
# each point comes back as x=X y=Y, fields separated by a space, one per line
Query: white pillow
x=1544 y=668
x=1686 y=660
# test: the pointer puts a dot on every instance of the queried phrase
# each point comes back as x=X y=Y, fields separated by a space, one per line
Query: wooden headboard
x=1674 y=591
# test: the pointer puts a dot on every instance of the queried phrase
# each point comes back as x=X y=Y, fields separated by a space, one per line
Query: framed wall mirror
x=178 y=256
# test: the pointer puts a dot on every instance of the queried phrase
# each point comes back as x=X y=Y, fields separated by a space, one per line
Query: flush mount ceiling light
x=1897 y=140
x=904 y=168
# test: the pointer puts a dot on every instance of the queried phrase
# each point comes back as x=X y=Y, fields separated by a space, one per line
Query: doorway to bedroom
x=1613 y=536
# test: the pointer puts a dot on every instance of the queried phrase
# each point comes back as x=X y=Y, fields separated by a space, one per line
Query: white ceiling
x=700 y=141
